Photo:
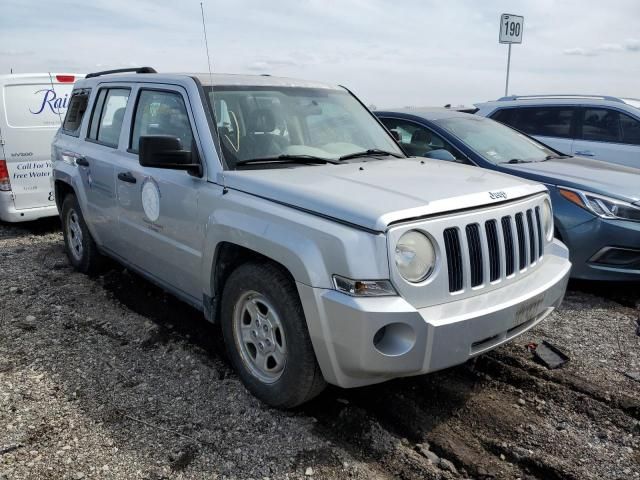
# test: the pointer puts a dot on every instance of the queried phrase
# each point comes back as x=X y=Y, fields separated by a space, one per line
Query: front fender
x=310 y=247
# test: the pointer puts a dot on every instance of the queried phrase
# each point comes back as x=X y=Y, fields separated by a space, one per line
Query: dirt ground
x=109 y=377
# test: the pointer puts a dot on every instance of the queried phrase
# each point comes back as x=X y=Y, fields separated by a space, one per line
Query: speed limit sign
x=511 y=28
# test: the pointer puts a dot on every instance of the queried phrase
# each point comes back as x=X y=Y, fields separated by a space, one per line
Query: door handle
x=80 y=160
x=126 y=177
x=586 y=153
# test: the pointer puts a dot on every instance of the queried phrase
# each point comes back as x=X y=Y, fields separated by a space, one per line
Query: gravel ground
x=109 y=377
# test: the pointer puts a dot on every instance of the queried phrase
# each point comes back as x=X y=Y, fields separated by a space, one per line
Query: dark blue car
x=596 y=204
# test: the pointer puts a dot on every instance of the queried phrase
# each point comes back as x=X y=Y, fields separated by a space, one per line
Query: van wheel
x=266 y=336
x=79 y=244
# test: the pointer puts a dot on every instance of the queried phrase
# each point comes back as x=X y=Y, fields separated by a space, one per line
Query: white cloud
x=583 y=52
x=633 y=45
x=610 y=47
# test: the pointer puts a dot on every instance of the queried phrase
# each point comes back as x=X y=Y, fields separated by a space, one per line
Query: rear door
x=553 y=126
x=99 y=155
x=609 y=135
x=34 y=107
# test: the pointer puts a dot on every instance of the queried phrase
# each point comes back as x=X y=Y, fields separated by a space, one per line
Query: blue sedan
x=596 y=204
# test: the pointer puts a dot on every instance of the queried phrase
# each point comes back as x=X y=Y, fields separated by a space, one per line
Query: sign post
x=511 y=29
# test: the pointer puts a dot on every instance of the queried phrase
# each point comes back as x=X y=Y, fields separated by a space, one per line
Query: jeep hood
x=584 y=174
x=377 y=193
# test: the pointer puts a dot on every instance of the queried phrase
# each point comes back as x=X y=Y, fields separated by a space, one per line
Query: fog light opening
x=394 y=339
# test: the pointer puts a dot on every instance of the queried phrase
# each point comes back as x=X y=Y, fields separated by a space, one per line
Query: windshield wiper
x=517 y=160
x=554 y=157
x=285 y=158
x=369 y=153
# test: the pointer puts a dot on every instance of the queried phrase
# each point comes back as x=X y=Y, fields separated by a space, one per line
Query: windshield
x=495 y=142
x=269 y=122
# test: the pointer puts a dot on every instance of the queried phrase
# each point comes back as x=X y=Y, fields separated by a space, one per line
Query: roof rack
x=122 y=70
x=561 y=96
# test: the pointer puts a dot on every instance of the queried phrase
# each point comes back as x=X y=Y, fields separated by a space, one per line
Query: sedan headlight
x=546 y=214
x=415 y=256
x=604 y=207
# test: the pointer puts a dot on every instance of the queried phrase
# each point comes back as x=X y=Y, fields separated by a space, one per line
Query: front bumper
x=586 y=240
x=8 y=212
x=343 y=328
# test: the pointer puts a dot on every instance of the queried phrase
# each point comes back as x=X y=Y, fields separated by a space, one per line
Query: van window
x=36 y=105
x=161 y=113
x=75 y=112
x=108 y=115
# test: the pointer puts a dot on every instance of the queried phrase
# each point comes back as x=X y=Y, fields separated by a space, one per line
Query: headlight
x=546 y=214
x=415 y=256
x=605 y=207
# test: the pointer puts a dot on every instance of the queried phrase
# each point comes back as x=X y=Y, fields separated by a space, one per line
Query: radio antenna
x=54 y=92
x=206 y=43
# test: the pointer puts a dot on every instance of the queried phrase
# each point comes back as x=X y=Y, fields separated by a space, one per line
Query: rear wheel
x=79 y=244
x=266 y=335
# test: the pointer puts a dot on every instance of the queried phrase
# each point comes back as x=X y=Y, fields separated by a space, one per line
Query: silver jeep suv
x=288 y=214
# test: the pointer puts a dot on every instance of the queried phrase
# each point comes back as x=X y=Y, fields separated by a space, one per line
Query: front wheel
x=266 y=336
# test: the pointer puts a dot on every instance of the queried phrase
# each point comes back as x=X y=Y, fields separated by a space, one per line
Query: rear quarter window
x=75 y=112
x=36 y=105
x=502 y=116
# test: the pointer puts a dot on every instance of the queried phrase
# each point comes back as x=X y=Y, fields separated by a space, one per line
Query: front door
x=157 y=221
x=608 y=135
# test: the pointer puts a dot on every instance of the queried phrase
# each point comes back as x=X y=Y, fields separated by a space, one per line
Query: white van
x=32 y=107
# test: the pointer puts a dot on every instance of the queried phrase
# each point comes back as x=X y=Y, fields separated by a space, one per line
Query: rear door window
x=108 y=115
x=542 y=121
x=75 y=113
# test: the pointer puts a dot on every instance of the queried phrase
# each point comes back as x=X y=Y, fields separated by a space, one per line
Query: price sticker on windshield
x=511 y=28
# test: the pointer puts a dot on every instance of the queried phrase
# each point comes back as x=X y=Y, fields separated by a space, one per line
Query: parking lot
x=109 y=377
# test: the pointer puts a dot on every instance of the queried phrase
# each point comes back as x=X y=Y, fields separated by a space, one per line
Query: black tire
x=300 y=379
x=86 y=259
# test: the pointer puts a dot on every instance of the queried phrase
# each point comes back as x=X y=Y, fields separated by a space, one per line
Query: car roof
x=215 y=79
x=430 y=114
x=562 y=99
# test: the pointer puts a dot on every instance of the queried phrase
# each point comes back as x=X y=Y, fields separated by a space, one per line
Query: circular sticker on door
x=151 y=199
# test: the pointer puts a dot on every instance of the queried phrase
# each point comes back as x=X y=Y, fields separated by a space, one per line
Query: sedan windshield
x=261 y=126
x=495 y=142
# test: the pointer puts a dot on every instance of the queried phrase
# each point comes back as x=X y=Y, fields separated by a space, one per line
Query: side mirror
x=165 y=151
x=440 y=154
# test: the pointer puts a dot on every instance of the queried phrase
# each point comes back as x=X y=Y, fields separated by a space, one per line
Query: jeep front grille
x=489 y=252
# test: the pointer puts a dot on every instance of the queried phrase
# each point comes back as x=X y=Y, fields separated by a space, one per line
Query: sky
x=389 y=53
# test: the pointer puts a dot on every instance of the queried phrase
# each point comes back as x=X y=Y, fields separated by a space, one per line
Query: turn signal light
x=5 y=184
x=572 y=197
